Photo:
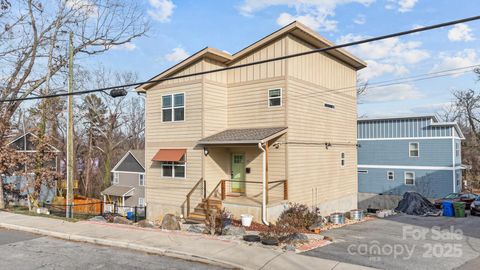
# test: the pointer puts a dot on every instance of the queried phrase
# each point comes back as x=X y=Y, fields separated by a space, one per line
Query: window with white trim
x=174 y=169
x=116 y=178
x=173 y=107
x=275 y=97
x=342 y=159
x=413 y=149
x=141 y=180
x=141 y=202
x=457 y=149
x=409 y=178
x=390 y=175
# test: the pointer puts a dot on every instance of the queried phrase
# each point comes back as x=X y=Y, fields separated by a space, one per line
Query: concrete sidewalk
x=189 y=246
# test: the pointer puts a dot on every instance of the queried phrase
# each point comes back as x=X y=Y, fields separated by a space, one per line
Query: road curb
x=126 y=245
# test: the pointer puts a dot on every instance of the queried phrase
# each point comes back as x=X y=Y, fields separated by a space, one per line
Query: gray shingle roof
x=245 y=135
x=139 y=155
x=116 y=190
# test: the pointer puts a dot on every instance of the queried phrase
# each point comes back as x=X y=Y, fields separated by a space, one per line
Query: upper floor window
x=116 y=178
x=414 y=149
x=173 y=107
x=141 y=180
x=275 y=97
x=409 y=178
x=457 y=149
x=390 y=175
x=342 y=159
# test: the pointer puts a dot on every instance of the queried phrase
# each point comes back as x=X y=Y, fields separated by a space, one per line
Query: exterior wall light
x=205 y=151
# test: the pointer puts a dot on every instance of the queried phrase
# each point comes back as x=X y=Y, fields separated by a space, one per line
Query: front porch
x=242 y=159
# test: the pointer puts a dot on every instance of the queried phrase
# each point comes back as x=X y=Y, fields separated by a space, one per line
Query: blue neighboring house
x=415 y=153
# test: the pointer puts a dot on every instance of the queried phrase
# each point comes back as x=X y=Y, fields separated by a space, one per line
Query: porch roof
x=118 y=190
x=244 y=136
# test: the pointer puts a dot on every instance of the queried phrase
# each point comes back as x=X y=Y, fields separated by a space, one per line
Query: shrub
x=216 y=221
x=298 y=216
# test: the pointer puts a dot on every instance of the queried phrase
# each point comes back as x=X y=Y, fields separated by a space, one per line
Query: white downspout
x=264 y=185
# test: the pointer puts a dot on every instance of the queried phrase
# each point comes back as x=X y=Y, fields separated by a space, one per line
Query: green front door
x=238 y=173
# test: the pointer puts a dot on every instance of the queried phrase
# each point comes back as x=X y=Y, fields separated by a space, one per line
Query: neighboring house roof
x=132 y=161
x=118 y=190
x=430 y=116
x=435 y=121
x=246 y=135
x=295 y=28
x=19 y=143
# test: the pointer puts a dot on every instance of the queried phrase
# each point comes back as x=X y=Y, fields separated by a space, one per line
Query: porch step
x=199 y=213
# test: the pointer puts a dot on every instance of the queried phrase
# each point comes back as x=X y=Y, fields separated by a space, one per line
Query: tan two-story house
x=254 y=137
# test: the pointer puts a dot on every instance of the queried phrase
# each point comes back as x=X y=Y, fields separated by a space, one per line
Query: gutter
x=264 y=185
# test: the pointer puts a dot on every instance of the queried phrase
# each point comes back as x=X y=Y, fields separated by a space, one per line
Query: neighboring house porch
x=116 y=199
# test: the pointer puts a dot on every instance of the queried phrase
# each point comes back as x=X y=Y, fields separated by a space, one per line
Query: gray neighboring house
x=128 y=183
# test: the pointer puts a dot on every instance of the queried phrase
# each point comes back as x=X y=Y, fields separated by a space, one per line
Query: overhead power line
x=339 y=46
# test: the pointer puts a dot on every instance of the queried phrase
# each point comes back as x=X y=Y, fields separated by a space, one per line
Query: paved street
x=24 y=251
x=407 y=242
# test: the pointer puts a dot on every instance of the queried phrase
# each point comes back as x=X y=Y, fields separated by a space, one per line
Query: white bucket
x=246 y=220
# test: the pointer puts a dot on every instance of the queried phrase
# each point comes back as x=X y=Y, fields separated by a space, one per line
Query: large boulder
x=232 y=230
x=121 y=220
x=145 y=224
x=170 y=222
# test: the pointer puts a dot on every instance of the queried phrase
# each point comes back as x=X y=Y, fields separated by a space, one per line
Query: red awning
x=169 y=155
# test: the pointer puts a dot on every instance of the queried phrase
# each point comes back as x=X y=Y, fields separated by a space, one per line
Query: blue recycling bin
x=130 y=215
x=448 y=209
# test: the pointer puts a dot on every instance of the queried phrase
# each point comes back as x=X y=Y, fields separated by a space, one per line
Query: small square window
x=414 y=149
x=167 y=170
x=390 y=175
x=275 y=97
x=342 y=159
x=409 y=178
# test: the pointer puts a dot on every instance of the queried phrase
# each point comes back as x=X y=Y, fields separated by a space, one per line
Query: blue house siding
x=384 y=146
x=433 y=152
x=430 y=183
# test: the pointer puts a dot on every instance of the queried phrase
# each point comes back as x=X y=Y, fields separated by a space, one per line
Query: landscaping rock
x=145 y=224
x=196 y=228
x=122 y=220
x=232 y=230
x=316 y=226
x=296 y=238
x=98 y=219
x=170 y=222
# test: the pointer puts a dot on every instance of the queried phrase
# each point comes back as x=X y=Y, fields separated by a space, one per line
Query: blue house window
x=390 y=175
x=409 y=178
x=457 y=149
x=414 y=149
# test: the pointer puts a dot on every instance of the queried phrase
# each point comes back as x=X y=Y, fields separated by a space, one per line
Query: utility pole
x=69 y=198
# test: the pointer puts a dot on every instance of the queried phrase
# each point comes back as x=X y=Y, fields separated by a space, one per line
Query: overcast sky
x=182 y=27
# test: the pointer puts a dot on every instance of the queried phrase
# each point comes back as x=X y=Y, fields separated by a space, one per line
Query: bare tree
x=33 y=41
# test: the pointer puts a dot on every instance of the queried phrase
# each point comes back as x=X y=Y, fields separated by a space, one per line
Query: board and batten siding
x=315 y=173
x=401 y=128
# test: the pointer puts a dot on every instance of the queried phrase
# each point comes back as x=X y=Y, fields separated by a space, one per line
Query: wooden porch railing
x=221 y=188
x=201 y=183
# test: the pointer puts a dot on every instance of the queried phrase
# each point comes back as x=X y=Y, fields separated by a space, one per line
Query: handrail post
x=188 y=206
x=223 y=190
x=285 y=190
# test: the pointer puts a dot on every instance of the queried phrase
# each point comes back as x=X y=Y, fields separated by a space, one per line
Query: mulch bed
x=260 y=227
